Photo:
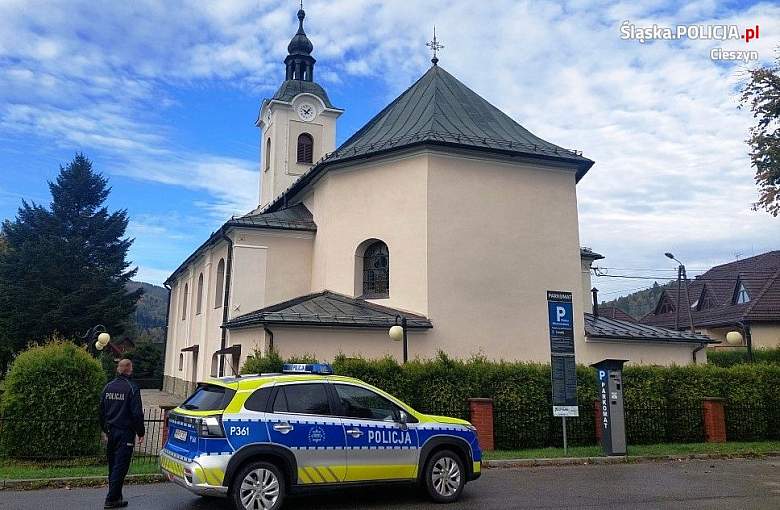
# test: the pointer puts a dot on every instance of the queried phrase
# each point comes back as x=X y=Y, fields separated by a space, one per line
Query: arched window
x=220 y=285
x=185 y=298
x=376 y=271
x=305 y=148
x=199 y=302
x=267 y=154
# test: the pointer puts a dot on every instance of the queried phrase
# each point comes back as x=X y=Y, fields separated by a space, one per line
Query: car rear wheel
x=258 y=486
x=445 y=476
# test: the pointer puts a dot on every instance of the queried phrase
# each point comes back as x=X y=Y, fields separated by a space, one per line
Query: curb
x=74 y=481
x=583 y=461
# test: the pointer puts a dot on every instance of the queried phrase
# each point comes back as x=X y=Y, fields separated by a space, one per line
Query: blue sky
x=163 y=96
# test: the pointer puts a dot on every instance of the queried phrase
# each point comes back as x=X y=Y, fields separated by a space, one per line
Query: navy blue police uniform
x=122 y=419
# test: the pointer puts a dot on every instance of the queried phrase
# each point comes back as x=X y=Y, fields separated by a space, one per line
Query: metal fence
x=649 y=424
x=74 y=440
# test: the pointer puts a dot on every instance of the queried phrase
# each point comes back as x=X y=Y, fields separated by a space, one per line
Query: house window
x=186 y=298
x=220 y=288
x=199 y=302
x=742 y=295
x=305 y=148
x=665 y=307
x=267 y=154
x=376 y=271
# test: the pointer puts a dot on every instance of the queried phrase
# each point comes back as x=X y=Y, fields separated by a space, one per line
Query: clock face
x=306 y=111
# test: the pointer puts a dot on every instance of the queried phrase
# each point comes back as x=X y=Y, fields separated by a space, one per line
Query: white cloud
x=660 y=119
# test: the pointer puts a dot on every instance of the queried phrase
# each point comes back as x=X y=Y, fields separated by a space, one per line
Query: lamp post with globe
x=398 y=333
x=741 y=337
x=101 y=337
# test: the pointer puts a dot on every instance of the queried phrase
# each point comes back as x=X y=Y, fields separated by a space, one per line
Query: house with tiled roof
x=442 y=213
x=742 y=296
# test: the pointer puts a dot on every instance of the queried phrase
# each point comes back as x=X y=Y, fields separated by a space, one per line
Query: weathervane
x=435 y=46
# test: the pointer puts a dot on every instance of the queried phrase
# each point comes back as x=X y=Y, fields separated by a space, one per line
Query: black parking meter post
x=609 y=378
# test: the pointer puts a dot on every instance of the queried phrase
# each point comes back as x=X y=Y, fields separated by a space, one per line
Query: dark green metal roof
x=439 y=110
x=291 y=88
x=328 y=308
x=297 y=217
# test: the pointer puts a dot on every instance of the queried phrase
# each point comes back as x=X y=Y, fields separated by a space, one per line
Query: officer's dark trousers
x=120 y=451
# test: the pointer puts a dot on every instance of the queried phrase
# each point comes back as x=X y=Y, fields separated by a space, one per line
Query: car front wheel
x=445 y=476
x=258 y=486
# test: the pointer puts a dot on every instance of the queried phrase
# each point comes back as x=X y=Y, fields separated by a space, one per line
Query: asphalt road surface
x=738 y=483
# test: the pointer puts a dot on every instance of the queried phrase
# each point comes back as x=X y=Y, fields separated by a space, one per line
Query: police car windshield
x=209 y=398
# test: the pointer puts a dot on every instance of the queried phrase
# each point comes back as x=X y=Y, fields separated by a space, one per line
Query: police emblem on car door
x=301 y=419
x=381 y=444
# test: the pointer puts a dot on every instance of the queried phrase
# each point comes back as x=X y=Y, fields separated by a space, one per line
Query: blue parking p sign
x=560 y=314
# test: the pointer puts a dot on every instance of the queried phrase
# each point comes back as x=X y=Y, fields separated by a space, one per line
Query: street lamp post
x=99 y=331
x=744 y=333
x=398 y=333
x=682 y=276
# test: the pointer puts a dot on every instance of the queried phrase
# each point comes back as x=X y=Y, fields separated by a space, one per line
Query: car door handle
x=355 y=433
x=283 y=427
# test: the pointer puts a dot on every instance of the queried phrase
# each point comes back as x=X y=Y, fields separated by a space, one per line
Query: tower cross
x=435 y=46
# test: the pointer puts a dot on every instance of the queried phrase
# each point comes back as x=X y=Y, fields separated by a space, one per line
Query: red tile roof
x=760 y=275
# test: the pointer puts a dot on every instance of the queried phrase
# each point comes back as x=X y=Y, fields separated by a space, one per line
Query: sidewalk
x=153 y=399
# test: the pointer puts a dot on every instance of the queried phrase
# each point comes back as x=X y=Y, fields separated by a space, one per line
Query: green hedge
x=663 y=403
x=50 y=404
x=730 y=357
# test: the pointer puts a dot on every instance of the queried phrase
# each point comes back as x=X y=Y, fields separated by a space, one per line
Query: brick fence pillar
x=482 y=418
x=714 y=420
x=597 y=417
x=166 y=413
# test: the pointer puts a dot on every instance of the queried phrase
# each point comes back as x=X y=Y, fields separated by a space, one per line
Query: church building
x=441 y=211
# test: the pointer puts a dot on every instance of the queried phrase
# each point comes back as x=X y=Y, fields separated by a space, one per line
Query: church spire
x=299 y=62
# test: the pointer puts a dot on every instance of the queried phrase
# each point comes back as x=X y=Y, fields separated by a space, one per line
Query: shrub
x=663 y=404
x=730 y=357
x=51 y=400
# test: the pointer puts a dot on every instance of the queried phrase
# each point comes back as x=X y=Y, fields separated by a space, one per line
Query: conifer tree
x=64 y=268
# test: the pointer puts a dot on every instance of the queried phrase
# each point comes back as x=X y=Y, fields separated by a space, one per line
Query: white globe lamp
x=734 y=338
x=396 y=333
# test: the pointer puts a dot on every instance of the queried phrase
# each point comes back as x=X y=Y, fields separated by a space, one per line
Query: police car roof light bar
x=307 y=368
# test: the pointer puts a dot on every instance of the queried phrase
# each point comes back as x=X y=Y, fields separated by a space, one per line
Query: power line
x=698 y=279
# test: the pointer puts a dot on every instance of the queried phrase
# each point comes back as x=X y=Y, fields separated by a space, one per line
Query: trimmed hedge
x=663 y=404
x=50 y=404
x=730 y=357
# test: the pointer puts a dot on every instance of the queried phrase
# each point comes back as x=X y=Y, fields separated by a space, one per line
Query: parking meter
x=609 y=377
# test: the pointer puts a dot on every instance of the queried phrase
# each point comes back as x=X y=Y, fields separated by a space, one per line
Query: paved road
x=724 y=484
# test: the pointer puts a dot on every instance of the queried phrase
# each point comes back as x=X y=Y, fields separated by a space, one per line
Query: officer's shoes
x=116 y=504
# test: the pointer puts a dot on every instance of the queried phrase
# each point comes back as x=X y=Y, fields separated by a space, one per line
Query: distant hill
x=150 y=311
x=640 y=303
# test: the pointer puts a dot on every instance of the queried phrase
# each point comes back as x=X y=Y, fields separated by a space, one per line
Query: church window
x=305 y=148
x=219 y=290
x=267 y=154
x=181 y=362
x=742 y=296
x=186 y=298
x=199 y=302
x=376 y=271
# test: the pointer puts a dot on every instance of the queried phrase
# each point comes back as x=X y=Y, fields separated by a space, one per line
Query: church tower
x=298 y=123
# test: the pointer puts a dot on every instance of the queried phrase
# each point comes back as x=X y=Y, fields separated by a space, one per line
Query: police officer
x=122 y=419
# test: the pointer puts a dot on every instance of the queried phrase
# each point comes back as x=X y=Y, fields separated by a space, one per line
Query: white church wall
x=383 y=200
x=640 y=353
x=500 y=235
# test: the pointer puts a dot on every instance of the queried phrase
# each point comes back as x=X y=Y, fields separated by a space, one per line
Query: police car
x=256 y=439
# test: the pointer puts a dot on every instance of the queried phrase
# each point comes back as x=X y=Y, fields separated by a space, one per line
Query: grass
x=732 y=448
x=24 y=470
